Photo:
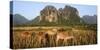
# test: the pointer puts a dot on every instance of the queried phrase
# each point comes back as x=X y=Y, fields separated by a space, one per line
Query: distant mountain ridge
x=90 y=19
x=19 y=19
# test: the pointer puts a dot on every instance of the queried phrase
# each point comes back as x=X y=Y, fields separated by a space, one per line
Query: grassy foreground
x=82 y=36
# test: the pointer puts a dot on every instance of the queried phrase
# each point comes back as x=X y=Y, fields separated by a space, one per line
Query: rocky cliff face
x=69 y=12
x=51 y=14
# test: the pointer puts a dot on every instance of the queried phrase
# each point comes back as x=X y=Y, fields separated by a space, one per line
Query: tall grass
x=82 y=37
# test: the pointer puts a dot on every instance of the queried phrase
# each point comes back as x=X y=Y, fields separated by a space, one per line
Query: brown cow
x=40 y=37
x=25 y=35
x=63 y=36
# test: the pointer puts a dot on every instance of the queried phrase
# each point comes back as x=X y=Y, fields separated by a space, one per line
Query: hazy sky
x=31 y=9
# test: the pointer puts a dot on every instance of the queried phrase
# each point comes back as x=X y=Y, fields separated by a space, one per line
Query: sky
x=31 y=9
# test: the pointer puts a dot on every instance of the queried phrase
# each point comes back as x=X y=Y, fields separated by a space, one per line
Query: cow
x=25 y=35
x=63 y=36
x=40 y=37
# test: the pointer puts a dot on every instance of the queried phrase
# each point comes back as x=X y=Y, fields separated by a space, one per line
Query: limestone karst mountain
x=52 y=16
x=49 y=14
